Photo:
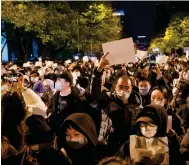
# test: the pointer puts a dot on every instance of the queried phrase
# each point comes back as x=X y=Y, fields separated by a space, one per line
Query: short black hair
x=66 y=76
x=142 y=78
x=77 y=67
x=34 y=72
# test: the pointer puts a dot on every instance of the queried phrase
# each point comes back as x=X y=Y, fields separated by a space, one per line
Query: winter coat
x=73 y=105
x=185 y=147
x=183 y=112
x=173 y=141
x=123 y=116
x=84 y=124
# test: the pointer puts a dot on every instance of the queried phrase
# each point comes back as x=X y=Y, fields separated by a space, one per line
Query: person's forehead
x=157 y=93
x=144 y=82
x=33 y=75
x=61 y=79
x=124 y=81
x=70 y=130
x=146 y=68
x=76 y=70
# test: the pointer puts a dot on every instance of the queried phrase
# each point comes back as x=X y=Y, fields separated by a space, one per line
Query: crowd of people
x=82 y=113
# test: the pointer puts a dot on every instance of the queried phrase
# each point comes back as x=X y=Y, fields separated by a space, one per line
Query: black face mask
x=75 y=145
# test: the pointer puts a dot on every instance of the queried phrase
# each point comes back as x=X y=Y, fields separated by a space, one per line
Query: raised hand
x=103 y=62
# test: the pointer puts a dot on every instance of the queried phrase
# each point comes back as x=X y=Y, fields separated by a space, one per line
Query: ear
x=68 y=84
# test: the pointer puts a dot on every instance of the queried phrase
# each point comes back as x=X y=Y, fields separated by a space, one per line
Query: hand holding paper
x=120 y=51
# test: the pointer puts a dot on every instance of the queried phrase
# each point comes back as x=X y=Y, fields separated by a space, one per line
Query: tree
x=58 y=24
x=97 y=25
x=176 y=34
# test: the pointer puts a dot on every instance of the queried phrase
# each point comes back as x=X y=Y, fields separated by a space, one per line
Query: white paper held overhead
x=120 y=51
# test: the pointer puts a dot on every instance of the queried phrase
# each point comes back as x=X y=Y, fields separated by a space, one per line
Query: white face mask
x=122 y=95
x=144 y=91
x=148 y=131
x=34 y=79
x=58 y=86
x=159 y=102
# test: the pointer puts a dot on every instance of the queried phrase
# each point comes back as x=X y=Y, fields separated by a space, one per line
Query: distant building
x=119 y=13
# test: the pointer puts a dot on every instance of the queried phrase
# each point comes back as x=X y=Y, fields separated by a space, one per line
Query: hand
x=157 y=70
x=171 y=133
x=103 y=62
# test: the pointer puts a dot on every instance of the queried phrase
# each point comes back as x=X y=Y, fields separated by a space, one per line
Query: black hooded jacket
x=158 y=115
x=84 y=124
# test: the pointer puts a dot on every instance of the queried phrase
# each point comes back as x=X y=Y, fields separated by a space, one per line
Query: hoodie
x=157 y=115
x=84 y=124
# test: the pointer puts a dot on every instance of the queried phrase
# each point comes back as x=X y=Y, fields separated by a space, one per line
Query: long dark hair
x=12 y=115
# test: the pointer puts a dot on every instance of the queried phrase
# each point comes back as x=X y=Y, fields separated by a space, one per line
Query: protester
x=37 y=84
x=66 y=101
x=121 y=106
x=144 y=90
x=160 y=96
x=78 y=139
x=13 y=113
x=104 y=107
x=185 y=147
x=151 y=123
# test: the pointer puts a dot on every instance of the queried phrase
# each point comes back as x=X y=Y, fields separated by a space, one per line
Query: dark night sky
x=148 y=18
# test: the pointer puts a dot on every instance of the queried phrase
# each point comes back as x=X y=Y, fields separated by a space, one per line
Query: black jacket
x=123 y=116
x=75 y=105
x=85 y=125
x=173 y=142
x=183 y=112
x=185 y=146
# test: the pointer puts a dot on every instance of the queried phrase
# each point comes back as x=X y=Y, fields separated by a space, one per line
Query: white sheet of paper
x=162 y=59
x=85 y=59
x=120 y=51
x=141 y=54
x=156 y=149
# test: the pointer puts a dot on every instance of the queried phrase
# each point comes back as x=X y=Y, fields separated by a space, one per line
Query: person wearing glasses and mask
x=119 y=107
